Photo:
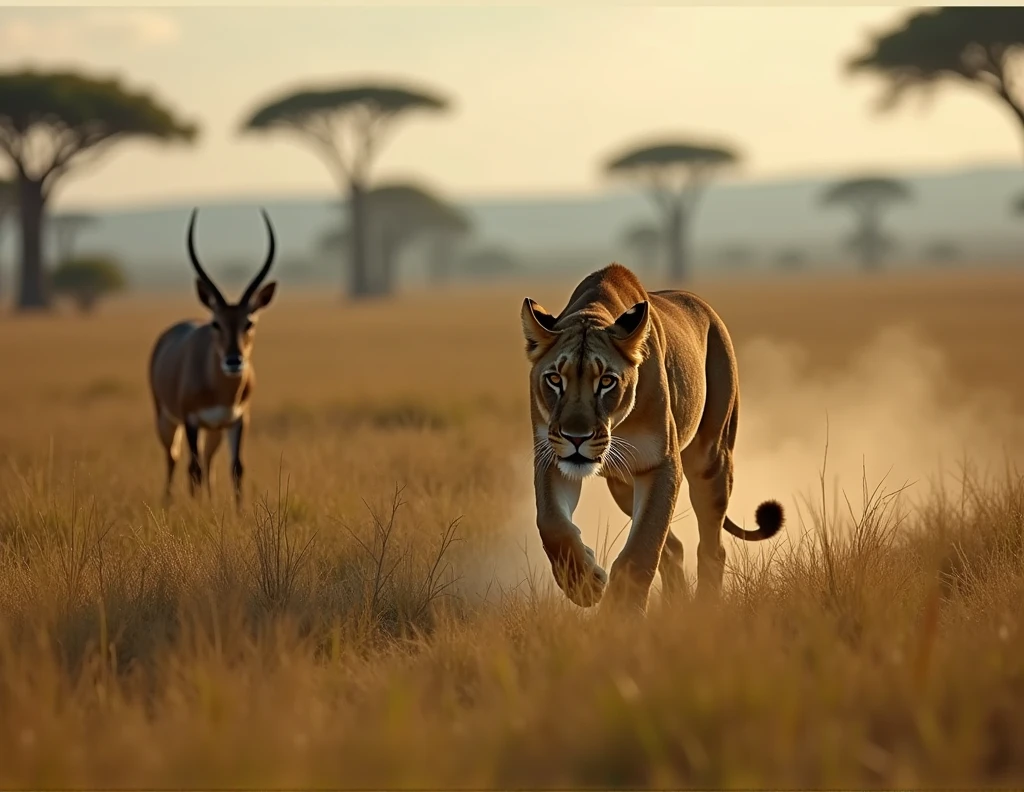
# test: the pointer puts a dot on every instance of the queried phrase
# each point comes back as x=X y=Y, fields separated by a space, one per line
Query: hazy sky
x=541 y=95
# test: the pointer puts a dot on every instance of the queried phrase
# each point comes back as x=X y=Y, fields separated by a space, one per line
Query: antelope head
x=234 y=325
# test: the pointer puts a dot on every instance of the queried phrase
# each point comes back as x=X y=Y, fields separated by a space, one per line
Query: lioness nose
x=576 y=440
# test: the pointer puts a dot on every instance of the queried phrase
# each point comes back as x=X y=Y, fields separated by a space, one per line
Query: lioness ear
x=538 y=327
x=630 y=330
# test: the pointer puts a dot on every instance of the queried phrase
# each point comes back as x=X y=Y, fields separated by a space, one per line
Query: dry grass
x=367 y=621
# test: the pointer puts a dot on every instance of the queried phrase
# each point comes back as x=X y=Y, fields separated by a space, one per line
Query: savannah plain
x=381 y=614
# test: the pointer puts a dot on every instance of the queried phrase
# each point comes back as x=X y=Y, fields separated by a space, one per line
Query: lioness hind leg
x=670 y=564
x=710 y=488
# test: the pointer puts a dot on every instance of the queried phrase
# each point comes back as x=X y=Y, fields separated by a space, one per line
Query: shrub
x=86 y=279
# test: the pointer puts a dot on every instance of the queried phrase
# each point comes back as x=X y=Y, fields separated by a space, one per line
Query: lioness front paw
x=588 y=588
x=580 y=577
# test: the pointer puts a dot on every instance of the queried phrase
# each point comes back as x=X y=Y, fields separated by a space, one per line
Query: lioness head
x=583 y=382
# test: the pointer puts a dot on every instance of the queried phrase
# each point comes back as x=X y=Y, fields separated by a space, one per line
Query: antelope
x=201 y=376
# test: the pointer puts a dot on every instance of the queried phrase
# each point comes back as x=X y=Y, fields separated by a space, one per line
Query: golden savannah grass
x=380 y=614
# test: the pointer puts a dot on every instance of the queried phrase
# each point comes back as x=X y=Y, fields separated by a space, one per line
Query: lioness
x=642 y=389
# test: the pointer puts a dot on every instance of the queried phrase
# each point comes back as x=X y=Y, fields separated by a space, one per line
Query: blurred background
x=398 y=149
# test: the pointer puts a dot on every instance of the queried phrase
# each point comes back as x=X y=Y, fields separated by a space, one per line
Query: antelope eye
x=248 y=325
x=215 y=325
x=554 y=380
x=607 y=381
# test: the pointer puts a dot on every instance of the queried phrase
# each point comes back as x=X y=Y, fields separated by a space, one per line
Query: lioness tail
x=769 y=518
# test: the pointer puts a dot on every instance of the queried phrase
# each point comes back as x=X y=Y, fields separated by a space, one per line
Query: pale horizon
x=540 y=96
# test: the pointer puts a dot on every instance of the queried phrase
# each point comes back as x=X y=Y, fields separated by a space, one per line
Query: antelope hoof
x=195 y=480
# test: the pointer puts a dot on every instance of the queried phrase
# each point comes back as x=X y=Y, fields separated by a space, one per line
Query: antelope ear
x=538 y=328
x=205 y=294
x=262 y=298
x=630 y=330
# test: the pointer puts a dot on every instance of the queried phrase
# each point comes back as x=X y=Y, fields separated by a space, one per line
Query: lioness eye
x=607 y=382
x=554 y=380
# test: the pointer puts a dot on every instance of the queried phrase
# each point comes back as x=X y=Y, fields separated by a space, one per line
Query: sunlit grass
x=379 y=616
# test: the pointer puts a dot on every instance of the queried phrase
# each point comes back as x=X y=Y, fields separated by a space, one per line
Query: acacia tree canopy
x=868 y=197
x=346 y=126
x=642 y=235
x=399 y=212
x=967 y=44
x=53 y=122
x=50 y=120
x=675 y=174
x=407 y=209
x=672 y=167
x=870 y=191
x=317 y=115
x=413 y=207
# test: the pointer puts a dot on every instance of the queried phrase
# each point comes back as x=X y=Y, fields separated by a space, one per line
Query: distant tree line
x=52 y=123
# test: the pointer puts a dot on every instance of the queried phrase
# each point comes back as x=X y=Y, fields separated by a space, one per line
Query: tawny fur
x=641 y=389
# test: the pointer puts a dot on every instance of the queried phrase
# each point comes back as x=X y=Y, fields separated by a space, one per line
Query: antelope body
x=201 y=376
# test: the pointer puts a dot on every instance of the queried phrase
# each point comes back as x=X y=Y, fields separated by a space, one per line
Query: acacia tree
x=325 y=118
x=409 y=213
x=490 y=262
x=942 y=252
x=8 y=206
x=644 y=240
x=675 y=175
x=791 y=259
x=974 y=46
x=869 y=198
x=66 y=228
x=52 y=123
x=86 y=280
x=735 y=256
x=399 y=213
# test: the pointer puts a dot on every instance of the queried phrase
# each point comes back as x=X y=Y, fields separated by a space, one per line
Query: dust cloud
x=892 y=414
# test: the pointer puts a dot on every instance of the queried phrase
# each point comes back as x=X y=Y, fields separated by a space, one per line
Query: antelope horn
x=255 y=283
x=195 y=259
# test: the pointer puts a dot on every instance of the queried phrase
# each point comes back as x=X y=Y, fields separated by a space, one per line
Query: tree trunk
x=388 y=254
x=1015 y=108
x=442 y=250
x=359 y=281
x=675 y=237
x=65 y=244
x=86 y=301
x=33 y=294
x=871 y=242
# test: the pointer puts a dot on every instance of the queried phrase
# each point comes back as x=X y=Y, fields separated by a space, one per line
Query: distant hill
x=968 y=208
